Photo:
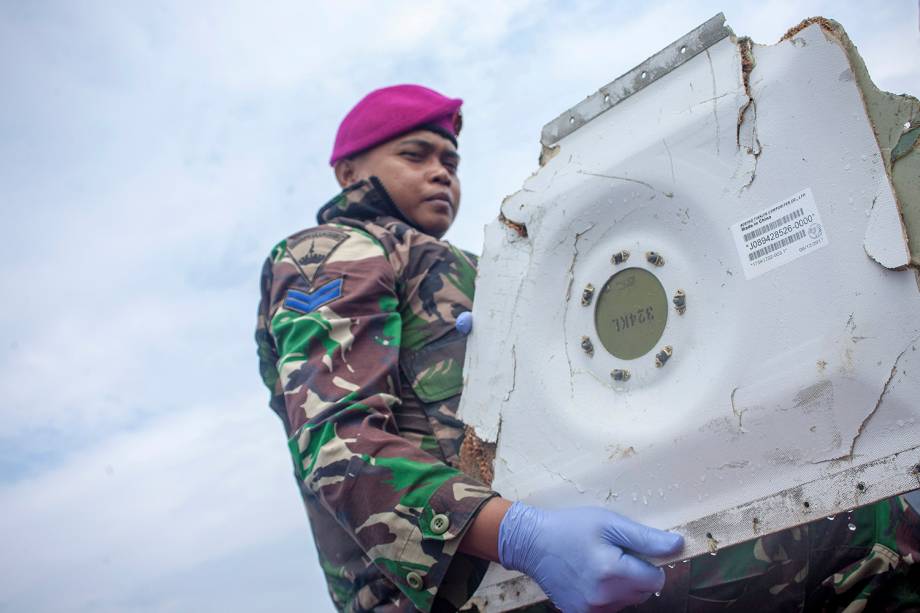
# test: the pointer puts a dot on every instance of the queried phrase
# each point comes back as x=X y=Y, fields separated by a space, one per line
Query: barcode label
x=779 y=234
x=777 y=245
x=773 y=224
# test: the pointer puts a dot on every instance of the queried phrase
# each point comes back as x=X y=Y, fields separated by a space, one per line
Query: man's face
x=419 y=171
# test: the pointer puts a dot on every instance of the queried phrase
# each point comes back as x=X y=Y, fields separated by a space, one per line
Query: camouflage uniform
x=358 y=348
x=820 y=566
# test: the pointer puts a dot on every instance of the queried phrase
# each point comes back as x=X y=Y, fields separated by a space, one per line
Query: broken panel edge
x=892 y=116
x=905 y=178
x=888 y=476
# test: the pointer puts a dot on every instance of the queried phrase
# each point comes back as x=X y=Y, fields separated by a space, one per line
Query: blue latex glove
x=581 y=557
x=464 y=322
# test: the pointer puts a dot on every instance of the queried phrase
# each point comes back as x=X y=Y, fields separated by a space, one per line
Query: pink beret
x=388 y=112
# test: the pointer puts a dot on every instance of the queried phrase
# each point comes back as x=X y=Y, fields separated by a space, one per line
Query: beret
x=388 y=112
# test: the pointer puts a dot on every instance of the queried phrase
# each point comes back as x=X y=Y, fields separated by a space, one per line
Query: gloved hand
x=581 y=557
x=464 y=323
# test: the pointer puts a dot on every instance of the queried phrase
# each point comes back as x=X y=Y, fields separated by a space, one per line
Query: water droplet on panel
x=830 y=517
x=852 y=527
x=671 y=565
x=657 y=594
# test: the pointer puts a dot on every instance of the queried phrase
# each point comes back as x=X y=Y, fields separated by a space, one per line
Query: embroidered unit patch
x=307 y=302
x=313 y=248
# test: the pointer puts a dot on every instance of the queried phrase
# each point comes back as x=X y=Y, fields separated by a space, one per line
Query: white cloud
x=185 y=491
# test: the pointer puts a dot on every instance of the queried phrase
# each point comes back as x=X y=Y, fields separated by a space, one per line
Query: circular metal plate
x=630 y=313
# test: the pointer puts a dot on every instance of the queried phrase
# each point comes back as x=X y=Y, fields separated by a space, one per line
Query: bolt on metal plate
x=587 y=345
x=587 y=295
x=680 y=301
x=654 y=258
x=619 y=374
x=663 y=356
x=619 y=257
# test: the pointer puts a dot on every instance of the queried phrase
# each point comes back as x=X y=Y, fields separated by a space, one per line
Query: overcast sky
x=150 y=155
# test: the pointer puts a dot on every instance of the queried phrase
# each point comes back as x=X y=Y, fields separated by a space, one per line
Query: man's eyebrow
x=421 y=142
x=417 y=141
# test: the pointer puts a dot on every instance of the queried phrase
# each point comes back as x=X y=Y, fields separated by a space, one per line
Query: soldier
x=358 y=345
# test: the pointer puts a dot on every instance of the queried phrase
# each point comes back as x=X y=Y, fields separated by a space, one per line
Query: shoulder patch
x=313 y=248
x=307 y=302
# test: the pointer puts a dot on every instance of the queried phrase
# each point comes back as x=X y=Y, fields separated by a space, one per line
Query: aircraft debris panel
x=702 y=311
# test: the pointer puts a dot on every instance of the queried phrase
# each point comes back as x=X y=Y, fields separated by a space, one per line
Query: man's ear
x=346 y=172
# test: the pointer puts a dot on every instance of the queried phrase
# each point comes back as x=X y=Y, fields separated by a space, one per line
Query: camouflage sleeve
x=330 y=322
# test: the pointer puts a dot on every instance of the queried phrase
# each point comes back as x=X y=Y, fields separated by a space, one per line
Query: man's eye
x=411 y=155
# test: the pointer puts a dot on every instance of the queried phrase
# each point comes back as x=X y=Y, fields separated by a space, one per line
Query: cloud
x=143 y=507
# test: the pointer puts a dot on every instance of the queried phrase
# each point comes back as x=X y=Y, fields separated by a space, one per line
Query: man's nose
x=440 y=174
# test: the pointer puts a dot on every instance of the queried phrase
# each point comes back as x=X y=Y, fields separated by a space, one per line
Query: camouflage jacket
x=358 y=348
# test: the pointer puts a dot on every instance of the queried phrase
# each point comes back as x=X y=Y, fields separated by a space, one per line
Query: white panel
x=794 y=385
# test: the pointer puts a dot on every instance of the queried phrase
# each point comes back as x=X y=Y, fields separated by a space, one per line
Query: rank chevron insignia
x=307 y=302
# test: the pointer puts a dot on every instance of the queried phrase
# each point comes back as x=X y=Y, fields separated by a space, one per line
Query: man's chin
x=435 y=227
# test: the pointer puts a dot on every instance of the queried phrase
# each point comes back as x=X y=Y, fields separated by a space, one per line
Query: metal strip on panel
x=646 y=73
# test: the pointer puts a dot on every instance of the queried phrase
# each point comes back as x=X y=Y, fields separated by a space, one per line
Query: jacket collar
x=365 y=200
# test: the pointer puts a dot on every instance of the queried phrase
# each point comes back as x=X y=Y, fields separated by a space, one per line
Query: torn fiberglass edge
x=767 y=193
